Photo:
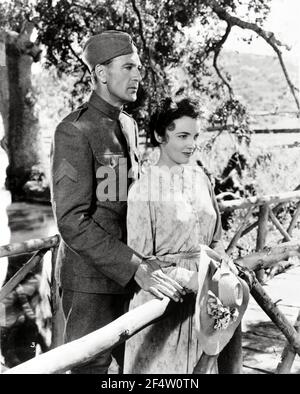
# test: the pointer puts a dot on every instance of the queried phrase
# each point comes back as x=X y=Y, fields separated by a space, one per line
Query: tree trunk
x=22 y=140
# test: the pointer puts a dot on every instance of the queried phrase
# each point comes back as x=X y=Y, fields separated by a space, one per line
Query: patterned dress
x=170 y=214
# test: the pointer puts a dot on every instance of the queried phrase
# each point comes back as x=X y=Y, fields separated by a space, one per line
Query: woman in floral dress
x=172 y=211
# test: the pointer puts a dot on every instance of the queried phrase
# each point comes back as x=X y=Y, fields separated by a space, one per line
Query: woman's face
x=180 y=141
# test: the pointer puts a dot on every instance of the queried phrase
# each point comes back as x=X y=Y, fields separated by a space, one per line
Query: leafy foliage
x=161 y=32
x=14 y=13
x=232 y=116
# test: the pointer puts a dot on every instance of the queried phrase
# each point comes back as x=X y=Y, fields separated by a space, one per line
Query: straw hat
x=221 y=302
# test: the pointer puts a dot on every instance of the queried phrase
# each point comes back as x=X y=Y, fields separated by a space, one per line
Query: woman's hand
x=224 y=258
x=212 y=253
x=186 y=278
x=231 y=265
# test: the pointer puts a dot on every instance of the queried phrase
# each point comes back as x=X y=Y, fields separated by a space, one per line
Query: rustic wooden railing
x=40 y=247
x=268 y=207
x=64 y=357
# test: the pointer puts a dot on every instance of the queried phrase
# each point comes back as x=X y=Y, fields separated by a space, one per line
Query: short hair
x=93 y=71
x=168 y=111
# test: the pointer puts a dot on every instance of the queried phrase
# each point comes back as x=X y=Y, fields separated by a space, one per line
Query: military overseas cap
x=105 y=46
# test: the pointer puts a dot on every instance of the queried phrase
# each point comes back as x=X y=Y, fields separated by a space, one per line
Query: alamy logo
x=158 y=184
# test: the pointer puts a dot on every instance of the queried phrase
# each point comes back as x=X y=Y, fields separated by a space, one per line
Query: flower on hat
x=223 y=315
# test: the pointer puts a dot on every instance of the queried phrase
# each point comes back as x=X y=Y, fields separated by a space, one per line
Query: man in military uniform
x=93 y=149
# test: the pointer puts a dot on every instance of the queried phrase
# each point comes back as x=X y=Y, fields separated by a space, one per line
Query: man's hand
x=150 y=277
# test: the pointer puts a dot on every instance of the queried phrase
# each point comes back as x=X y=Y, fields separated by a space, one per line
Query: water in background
x=19 y=222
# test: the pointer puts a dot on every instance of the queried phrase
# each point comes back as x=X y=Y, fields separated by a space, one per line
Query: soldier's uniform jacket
x=89 y=191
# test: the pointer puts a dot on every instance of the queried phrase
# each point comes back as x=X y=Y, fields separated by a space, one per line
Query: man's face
x=122 y=78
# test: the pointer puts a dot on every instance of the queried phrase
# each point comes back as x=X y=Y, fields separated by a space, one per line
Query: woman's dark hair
x=168 y=111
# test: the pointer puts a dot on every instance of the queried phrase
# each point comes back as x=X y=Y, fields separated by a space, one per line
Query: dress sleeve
x=139 y=221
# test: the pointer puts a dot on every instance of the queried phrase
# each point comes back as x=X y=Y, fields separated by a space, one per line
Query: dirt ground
x=263 y=342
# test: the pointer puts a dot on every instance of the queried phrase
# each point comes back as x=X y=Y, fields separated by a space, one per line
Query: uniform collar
x=103 y=106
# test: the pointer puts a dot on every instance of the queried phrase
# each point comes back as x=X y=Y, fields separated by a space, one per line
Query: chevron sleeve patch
x=65 y=169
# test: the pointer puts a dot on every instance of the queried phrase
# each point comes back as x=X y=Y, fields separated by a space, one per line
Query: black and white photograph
x=149 y=190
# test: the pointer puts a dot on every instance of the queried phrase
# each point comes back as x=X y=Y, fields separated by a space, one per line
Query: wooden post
x=294 y=219
x=58 y=321
x=269 y=256
x=29 y=246
x=83 y=349
x=258 y=200
x=280 y=205
x=288 y=354
x=249 y=228
x=237 y=236
x=286 y=237
x=278 y=225
x=20 y=275
x=262 y=232
x=66 y=356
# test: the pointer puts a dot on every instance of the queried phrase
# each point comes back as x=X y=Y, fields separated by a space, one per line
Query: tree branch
x=269 y=37
x=146 y=49
x=217 y=49
x=77 y=57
